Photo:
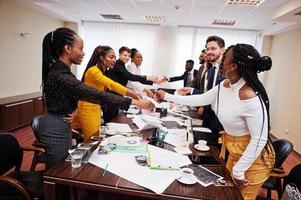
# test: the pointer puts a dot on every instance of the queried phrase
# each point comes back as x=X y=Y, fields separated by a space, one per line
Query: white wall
x=21 y=58
x=283 y=86
x=165 y=49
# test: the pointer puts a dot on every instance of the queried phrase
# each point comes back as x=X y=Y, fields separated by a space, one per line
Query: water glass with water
x=76 y=159
x=103 y=130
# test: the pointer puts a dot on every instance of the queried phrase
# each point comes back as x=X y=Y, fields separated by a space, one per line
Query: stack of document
x=115 y=128
x=178 y=137
x=145 y=121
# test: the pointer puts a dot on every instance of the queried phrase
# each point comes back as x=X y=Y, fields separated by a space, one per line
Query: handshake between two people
x=149 y=104
x=159 y=97
x=157 y=79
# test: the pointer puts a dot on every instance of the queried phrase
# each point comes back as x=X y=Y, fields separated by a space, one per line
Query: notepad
x=205 y=176
x=171 y=124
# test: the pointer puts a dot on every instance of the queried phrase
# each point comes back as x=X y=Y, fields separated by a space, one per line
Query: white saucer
x=201 y=147
x=188 y=181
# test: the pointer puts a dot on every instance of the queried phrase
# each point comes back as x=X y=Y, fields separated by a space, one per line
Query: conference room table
x=88 y=182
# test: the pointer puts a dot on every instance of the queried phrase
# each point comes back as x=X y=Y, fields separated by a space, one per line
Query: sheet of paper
x=166 y=159
x=197 y=122
x=172 y=118
x=119 y=127
x=201 y=129
x=182 y=150
x=125 y=166
x=133 y=111
x=177 y=137
x=145 y=121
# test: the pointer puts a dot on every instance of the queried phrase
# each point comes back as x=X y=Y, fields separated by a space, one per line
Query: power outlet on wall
x=286 y=131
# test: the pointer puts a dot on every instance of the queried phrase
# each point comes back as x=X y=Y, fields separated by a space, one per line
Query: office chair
x=282 y=149
x=38 y=157
x=17 y=184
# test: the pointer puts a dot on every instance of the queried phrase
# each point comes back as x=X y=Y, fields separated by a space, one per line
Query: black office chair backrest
x=35 y=126
x=11 y=155
x=294 y=177
x=282 y=149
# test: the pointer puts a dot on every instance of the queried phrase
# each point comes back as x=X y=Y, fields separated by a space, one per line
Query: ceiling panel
x=178 y=12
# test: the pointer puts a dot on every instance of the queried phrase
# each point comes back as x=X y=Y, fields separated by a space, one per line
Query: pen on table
x=105 y=170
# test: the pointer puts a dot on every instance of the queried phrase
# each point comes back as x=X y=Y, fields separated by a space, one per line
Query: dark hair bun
x=264 y=63
x=133 y=52
x=133 y=49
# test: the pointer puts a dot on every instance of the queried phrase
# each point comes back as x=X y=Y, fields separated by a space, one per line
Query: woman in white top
x=242 y=106
x=134 y=68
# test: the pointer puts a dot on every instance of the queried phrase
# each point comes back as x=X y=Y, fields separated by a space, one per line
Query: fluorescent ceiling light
x=245 y=2
x=111 y=16
x=154 y=19
x=225 y=22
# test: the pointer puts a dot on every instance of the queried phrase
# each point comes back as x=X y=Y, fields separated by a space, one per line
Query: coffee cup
x=202 y=142
x=186 y=173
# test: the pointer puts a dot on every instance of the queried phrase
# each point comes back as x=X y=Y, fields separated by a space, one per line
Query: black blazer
x=210 y=119
x=183 y=77
x=198 y=81
x=121 y=75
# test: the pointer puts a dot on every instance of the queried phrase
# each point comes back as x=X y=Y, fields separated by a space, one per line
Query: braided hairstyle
x=249 y=64
x=53 y=47
x=97 y=58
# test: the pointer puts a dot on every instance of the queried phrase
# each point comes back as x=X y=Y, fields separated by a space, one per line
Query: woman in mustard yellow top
x=89 y=114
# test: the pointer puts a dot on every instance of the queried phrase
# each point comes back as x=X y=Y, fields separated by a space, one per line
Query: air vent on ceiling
x=245 y=2
x=298 y=13
x=154 y=19
x=109 y=16
x=225 y=22
x=148 y=0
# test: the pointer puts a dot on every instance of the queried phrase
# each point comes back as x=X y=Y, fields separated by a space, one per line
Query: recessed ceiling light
x=225 y=22
x=245 y=2
x=111 y=16
x=154 y=19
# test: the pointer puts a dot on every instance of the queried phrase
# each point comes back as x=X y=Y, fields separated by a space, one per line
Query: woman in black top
x=62 y=90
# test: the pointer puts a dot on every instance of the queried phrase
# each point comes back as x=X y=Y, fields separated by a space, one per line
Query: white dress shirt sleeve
x=206 y=98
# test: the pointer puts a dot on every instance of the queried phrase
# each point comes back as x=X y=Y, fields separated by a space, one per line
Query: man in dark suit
x=199 y=80
x=214 y=49
x=188 y=75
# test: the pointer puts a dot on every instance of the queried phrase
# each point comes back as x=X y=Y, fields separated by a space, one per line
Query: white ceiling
x=271 y=16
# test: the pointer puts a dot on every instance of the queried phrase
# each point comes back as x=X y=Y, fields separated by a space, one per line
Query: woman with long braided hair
x=242 y=106
x=61 y=91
